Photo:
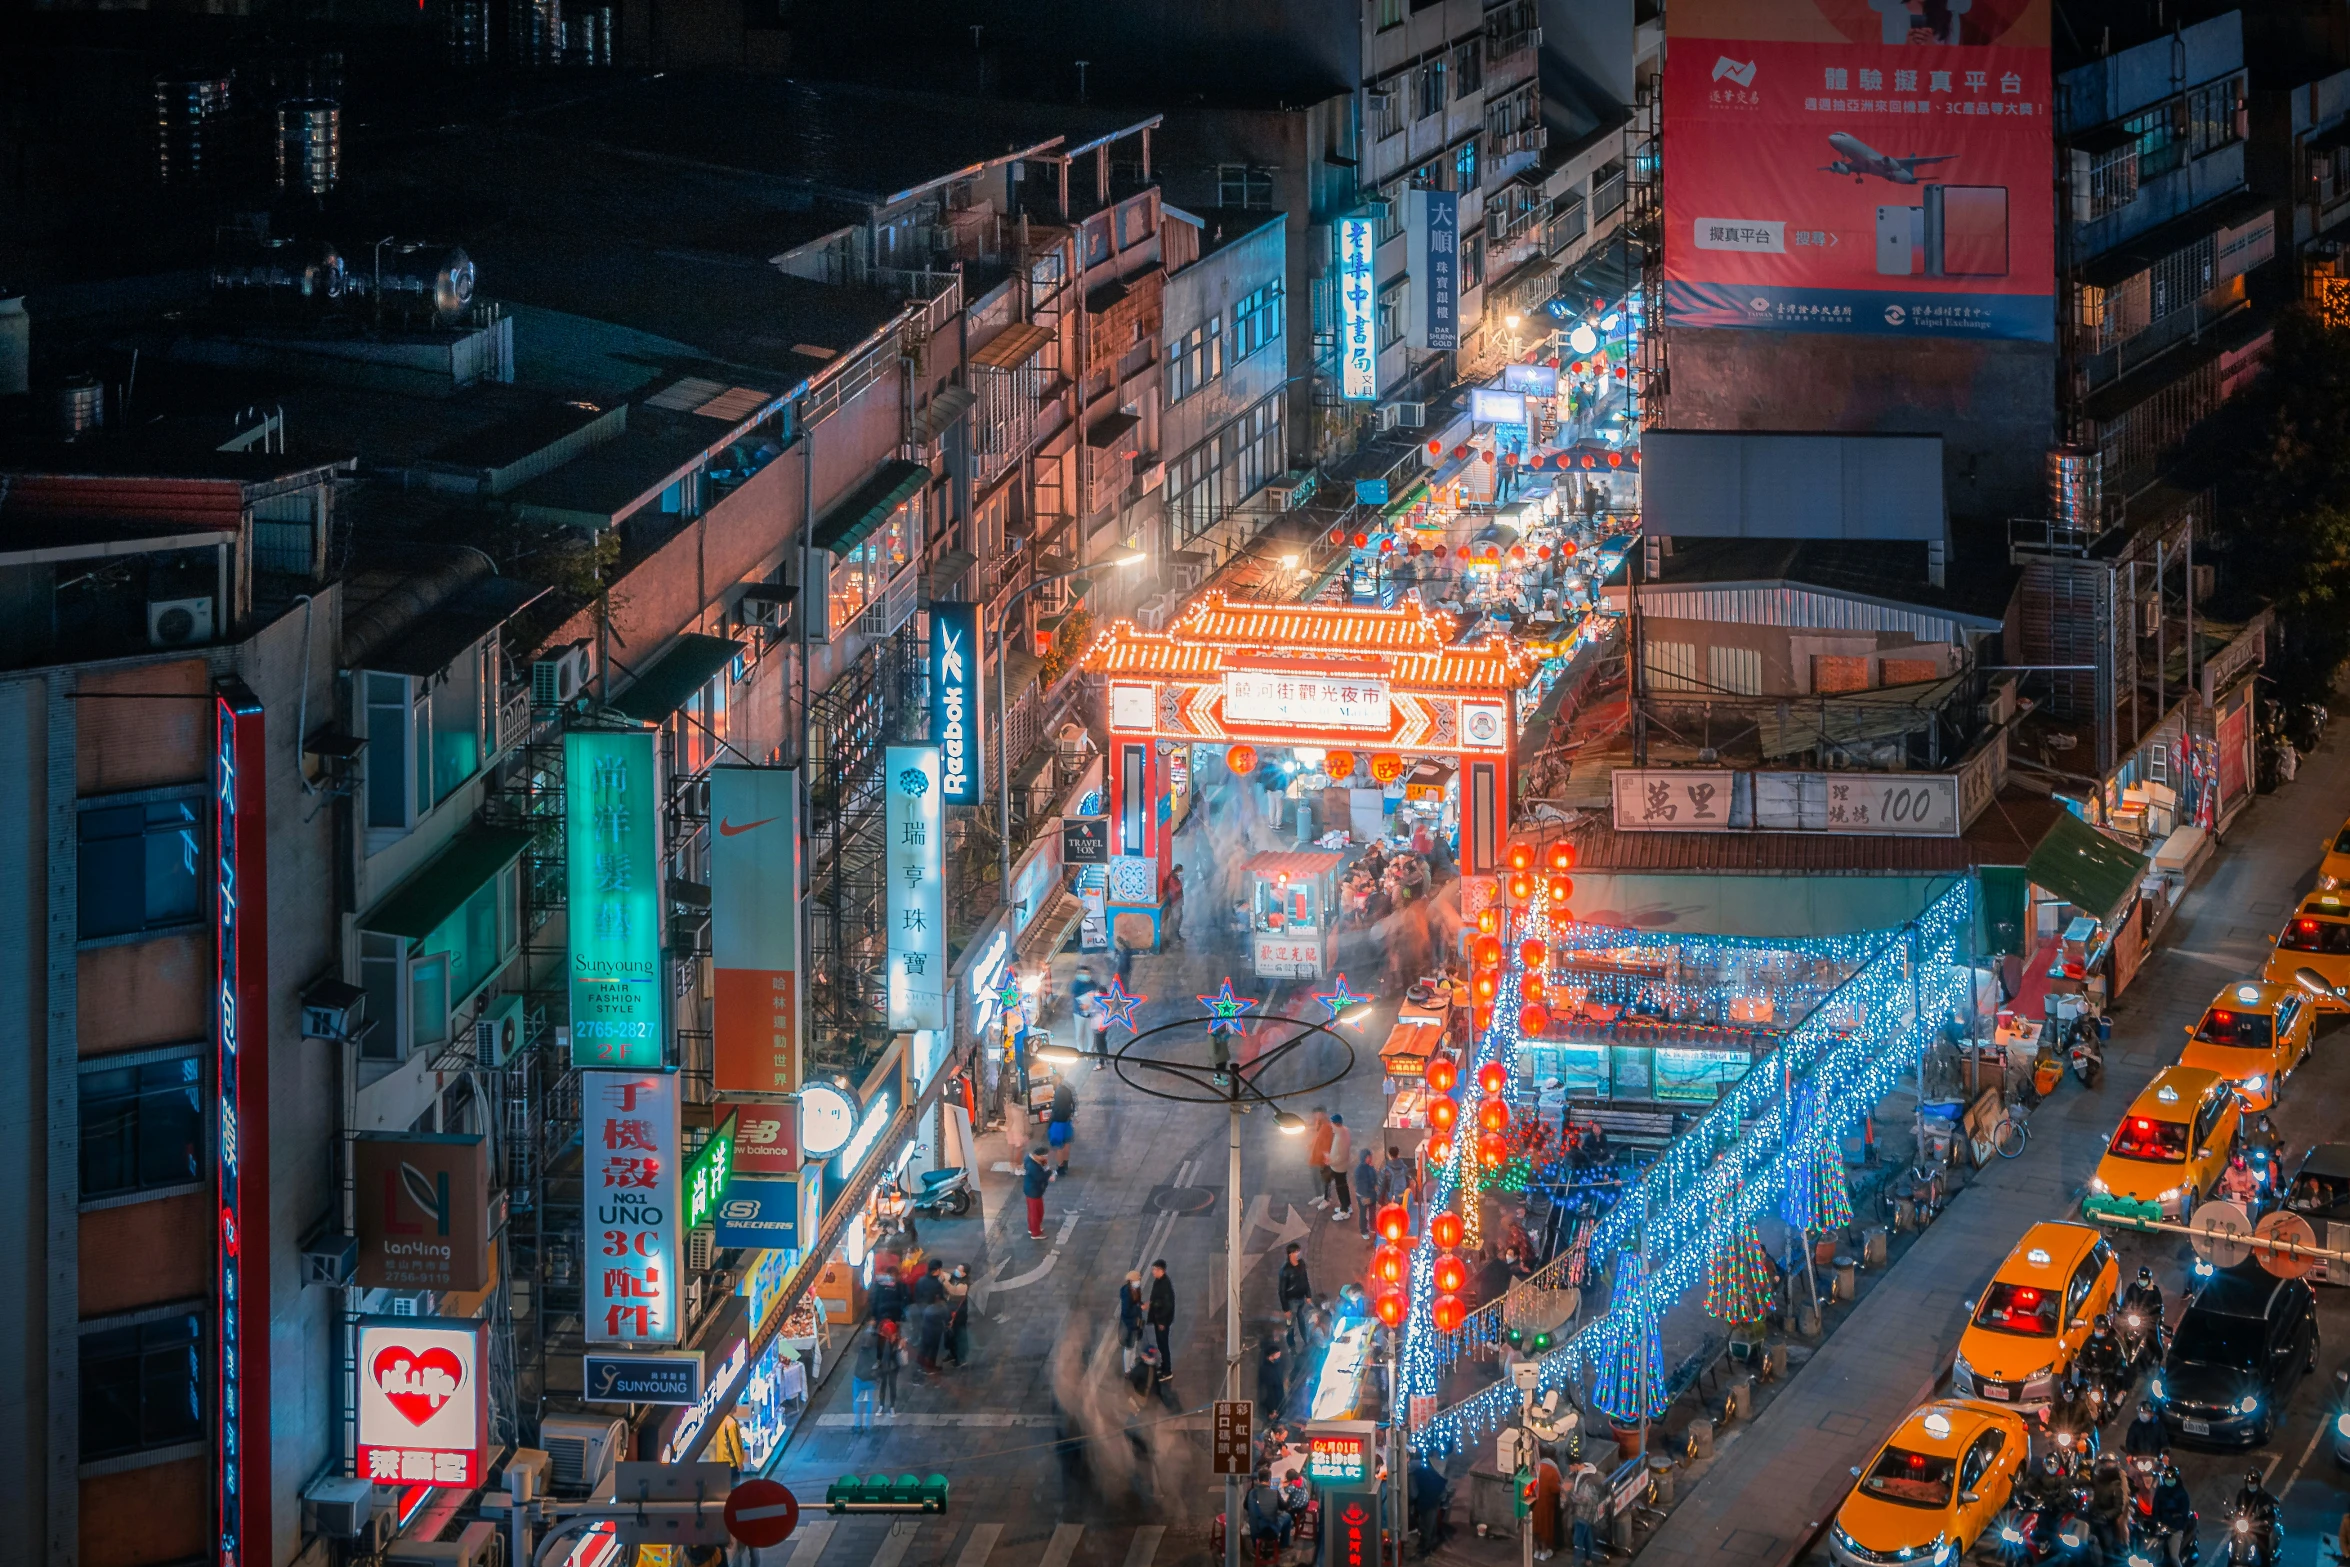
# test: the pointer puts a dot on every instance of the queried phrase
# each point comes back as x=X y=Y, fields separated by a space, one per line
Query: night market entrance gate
x=1369 y=693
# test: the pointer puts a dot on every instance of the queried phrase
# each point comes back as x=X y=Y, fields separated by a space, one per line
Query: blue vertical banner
x=958 y=722
x=1440 y=257
x=915 y=821
x=1358 y=322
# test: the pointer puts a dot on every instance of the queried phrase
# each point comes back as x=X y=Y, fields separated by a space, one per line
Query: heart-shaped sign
x=419 y=1384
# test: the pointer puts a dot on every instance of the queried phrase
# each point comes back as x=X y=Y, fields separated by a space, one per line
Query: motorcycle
x=2085 y=1055
x=2141 y=1336
x=2249 y=1541
x=2150 y=1544
x=2054 y=1531
x=2076 y=1451
x=946 y=1192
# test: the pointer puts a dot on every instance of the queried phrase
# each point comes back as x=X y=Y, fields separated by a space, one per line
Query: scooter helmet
x=2103 y=1324
x=2252 y=1478
x=2108 y=1466
x=2145 y=1275
x=2145 y=1409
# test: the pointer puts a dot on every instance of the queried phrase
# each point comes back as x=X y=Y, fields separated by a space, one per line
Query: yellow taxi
x=2253 y=1034
x=2316 y=938
x=2334 y=870
x=2170 y=1148
x=2036 y=1314
x=1931 y=1491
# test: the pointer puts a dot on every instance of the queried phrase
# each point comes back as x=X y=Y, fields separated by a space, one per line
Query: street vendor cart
x=1292 y=904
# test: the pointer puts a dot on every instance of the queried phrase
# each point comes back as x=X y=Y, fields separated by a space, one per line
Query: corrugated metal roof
x=2006 y=834
x=1011 y=348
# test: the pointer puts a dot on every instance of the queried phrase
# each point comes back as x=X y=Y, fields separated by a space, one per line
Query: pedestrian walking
x=1035 y=1176
x=889 y=1299
x=1122 y=962
x=1366 y=1188
x=1130 y=1320
x=865 y=1378
x=1272 y=1378
x=1161 y=1314
x=1171 y=910
x=1588 y=1505
x=886 y=1359
x=1296 y=1291
x=959 y=1314
x=1341 y=1154
x=1546 y=1508
x=1082 y=989
x=1061 y=1124
x=1319 y=1136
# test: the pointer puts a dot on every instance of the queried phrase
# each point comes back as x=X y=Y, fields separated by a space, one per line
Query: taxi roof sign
x=1938 y=1424
x=2037 y=1257
x=2167 y=1094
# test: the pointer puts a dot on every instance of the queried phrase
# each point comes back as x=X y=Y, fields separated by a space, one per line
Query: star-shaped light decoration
x=1224 y=1008
x=1342 y=1000
x=1009 y=997
x=1117 y=1006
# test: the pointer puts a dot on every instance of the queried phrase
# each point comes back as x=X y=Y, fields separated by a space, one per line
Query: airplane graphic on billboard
x=1860 y=160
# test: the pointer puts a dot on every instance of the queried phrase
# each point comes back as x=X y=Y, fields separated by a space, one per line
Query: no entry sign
x=760 y=1512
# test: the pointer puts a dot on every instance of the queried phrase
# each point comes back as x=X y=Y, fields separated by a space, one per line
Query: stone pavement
x=1776 y=1481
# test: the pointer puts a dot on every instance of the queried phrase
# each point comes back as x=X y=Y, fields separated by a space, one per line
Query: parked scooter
x=2085 y=1053
x=946 y=1192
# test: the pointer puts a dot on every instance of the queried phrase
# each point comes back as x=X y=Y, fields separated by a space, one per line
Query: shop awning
x=1410 y=498
x=1011 y=348
x=2085 y=868
x=1020 y=667
x=948 y=571
x=944 y=410
x=1051 y=928
x=421 y=904
x=1111 y=430
x=1296 y=864
x=674 y=676
x=868 y=506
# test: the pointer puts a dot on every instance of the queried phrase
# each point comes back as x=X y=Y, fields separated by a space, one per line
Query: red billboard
x=1874 y=166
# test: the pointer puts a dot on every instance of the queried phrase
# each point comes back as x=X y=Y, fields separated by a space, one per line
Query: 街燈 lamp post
x=1239 y=1089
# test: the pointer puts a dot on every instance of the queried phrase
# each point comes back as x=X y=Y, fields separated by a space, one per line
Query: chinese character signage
x=1840 y=167
x=240 y=931
x=1434 y=218
x=422 y=1401
x=1358 y=311
x=1338 y=1457
x=662 y=1376
x=1232 y=1439
x=708 y=1171
x=915 y=827
x=1673 y=799
x=423 y=1204
x=755 y=928
x=1287 y=957
x=629 y=1141
x=1677 y=799
x=1282 y=699
x=956 y=720
x=614 y=871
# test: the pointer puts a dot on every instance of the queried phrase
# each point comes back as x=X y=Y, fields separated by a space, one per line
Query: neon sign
x=956 y=720
x=240 y=929
x=707 y=1173
x=1340 y=1456
x=629 y=1130
x=612 y=864
x=1358 y=328
x=868 y=1132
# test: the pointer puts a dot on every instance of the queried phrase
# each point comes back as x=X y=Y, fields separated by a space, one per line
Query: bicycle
x=2008 y=1134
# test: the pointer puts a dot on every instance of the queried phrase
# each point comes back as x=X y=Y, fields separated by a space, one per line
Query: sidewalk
x=1777 y=1480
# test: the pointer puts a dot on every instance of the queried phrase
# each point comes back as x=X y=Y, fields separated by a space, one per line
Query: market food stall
x=1293 y=902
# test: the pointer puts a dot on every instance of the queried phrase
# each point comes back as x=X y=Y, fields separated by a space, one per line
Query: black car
x=2235 y=1356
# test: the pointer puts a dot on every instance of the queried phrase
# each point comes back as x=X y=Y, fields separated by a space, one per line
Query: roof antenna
x=1081 y=65
x=974 y=37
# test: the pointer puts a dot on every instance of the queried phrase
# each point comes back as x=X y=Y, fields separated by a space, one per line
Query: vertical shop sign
x=1358 y=327
x=614 y=874
x=916 y=833
x=423 y=1401
x=240 y=914
x=1434 y=218
x=755 y=928
x=423 y=1202
x=957 y=722
x=630 y=1139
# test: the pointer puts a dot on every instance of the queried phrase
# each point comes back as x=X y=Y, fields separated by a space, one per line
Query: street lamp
x=1220 y=1081
x=1003 y=756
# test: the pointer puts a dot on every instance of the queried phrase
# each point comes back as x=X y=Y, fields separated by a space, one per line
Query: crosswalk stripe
x=1062 y=1546
x=894 y=1546
x=982 y=1541
x=808 y=1542
x=1145 y=1546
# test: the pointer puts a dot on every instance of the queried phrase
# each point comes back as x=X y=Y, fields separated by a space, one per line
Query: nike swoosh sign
x=727 y=829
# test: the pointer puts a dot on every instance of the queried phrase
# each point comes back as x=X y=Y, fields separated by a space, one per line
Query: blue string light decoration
x=1628 y=1384
x=1731 y=1167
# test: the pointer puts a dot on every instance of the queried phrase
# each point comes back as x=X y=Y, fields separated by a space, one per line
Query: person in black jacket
x=1295 y=1290
x=1162 y=1316
x=1272 y=1379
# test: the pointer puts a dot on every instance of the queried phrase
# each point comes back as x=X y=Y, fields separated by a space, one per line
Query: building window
x=1390 y=14
x=2113 y=179
x=1207 y=482
x=1464 y=166
x=1468 y=69
x=1256 y=321
x=1388 y=210
x=142 y=1385
x=1247 y=186
x=1431 y=89
x=2213 y=114
x=2160 y=134
x=1672 y=666
x=1391 y=311
x=142 y=1125
x=1195 y=359
x=1473 y=259
x=863 y=575
x=141 y=866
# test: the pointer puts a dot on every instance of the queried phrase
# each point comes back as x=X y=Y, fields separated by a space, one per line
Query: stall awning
x=944 y=410
x=2084 y=867
x=868 y=506
x=1410 y=498
x=421 y=904
x=947 y=572
x=1011 y=348
x=674 y=676
x=1297 y=864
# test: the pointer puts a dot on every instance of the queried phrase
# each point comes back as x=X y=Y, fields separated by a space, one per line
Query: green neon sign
x=708 y=1171
x=612 y=866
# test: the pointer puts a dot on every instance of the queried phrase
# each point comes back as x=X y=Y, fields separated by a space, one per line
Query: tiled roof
x=2005 y=834
x=1410 y=646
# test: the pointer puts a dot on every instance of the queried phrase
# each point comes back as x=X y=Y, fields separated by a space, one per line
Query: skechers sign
x=956 y=715
x=758 y=1210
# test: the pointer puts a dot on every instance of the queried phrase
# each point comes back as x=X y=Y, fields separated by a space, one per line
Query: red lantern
x=1532 y=988
x=1386 y=544
x=1481 y=1015
x=1561 y=888
x=1492 y=1078
x=1521 y=857
x=1488 y=920
x=1531 y=952
x=1533 y=1017
x=1338 y=535
x=1448 y=1313
x=1494 y=1149
x=1241 y=759
x=1445 y=1230
x=1494 y=1115
x=1339 y=765
x=1493 y=552
x=1587 y=460
x=1460 y=453
x=1485 y=952
x=1362 y=540
x=1393 y=1221
x=1543 y=552
x=1517 y=552
x=1387 y=1264
x=1484 y=986
x=1438 y=1150
x=1509 y=459
x=1436 y=448
x=1562 y=855
x=1413 y=548
x=1450 y=1275
x=1521 y=887
x=1442 y=1075
x=1390 y=1307
x=1443 y=1113
x=1615 y=459
x=1386 y=766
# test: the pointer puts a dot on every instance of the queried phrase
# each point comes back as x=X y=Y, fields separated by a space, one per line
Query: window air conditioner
x=701 y=1249
x=497 y=1033
x=558 y=679
x=476 y=1545
x=1412 y=416
x=342 y=1507
x=581 y=1451
x=179 y=622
